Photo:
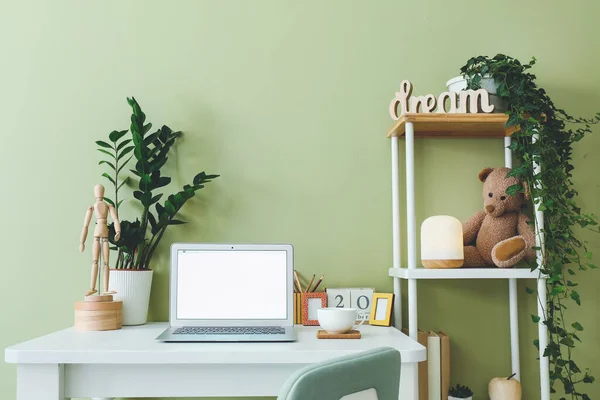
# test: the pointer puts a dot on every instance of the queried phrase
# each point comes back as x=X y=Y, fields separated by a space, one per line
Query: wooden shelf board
x=453 y=125
x=464 y=273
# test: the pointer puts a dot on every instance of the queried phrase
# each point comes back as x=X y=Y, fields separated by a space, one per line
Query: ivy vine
x=545 y=136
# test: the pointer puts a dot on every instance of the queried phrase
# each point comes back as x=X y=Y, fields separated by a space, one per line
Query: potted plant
x=131 y=277
x=484 y=81
x=460 y=392
x=545 y=136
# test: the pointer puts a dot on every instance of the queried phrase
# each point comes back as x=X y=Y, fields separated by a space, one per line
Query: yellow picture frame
x=380 y=316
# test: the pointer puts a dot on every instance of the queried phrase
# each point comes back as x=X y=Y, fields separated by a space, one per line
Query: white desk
x=130 y=363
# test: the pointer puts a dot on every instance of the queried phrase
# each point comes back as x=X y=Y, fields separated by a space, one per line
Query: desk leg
x=40 y=382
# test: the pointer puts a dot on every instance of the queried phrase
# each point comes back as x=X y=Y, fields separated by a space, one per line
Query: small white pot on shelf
x=133 y=289
x=459 y=83
x=460 y=398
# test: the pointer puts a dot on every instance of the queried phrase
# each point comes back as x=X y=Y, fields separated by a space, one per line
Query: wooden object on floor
x=323 y=334
x=93 y=314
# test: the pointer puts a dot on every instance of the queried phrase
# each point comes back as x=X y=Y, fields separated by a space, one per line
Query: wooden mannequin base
x=97 y=297
x=442 y=264
x=93 y=315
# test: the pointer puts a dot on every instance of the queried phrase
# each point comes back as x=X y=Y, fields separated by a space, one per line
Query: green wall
x=288 y=102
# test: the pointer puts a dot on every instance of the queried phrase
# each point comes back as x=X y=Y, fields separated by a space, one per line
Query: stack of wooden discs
x=98 y=313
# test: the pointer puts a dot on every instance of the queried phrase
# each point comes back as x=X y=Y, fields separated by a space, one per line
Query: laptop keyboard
x=230 y=330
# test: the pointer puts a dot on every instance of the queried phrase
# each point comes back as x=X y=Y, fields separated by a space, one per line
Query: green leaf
x=126 y=151
x=145 y=182
x=575 y=297
x=123 y=164
x=109 y=178
x=176 y=222
x=556 y=290
x=162 y=181
x=529 y=290
x=170 y=208
x=103 y=144
x=109 y=201
x=123 y=144
x=114 y=136
x=588 y=379
x=567 y=341
x=107 y=163
x=156 y=198
x=133 y=171
x=588 y=255
x=577 y=326
x=125 y=181
x=106 y=152
x=535 y=318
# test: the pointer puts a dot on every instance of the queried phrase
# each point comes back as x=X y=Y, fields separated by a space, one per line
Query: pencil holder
x=297 y=308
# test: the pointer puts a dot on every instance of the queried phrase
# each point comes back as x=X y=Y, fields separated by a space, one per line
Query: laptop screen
x=230 y=285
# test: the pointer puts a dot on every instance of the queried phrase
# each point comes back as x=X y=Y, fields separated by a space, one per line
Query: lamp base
x=442 y=264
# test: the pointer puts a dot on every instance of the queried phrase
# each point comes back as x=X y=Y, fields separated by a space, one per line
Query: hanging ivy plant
x=544 y=136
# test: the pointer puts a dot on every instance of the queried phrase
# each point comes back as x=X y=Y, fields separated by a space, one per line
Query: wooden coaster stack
x=98 y=313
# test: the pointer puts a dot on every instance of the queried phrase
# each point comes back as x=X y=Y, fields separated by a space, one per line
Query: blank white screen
x=246 y=284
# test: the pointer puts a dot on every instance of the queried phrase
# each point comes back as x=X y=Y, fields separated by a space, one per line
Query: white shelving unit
x=410 y=126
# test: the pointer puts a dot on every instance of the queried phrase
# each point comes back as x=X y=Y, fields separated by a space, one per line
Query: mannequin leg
x=94 y=275
x=105 y=268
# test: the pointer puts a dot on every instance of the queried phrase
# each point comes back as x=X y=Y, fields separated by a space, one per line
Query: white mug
x=337 y=320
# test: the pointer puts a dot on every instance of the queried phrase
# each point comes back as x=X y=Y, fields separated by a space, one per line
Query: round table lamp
x=442 y=242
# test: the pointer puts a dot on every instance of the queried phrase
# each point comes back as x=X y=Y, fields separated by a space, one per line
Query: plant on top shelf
x=460 y=392
x=140 y=238
x=543 y=138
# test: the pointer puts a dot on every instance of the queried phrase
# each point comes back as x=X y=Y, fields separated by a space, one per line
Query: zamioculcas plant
x=116 y=151
x=544 y=138
x=140 y=238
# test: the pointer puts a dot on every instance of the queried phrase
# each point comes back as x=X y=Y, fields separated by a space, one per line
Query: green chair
x=374 y=371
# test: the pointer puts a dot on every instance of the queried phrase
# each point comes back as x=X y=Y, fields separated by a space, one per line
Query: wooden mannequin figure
x=101 y=211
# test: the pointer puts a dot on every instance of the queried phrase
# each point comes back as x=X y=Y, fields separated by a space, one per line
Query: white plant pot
x=133 y=288
x=460 y=398
x=459 y=83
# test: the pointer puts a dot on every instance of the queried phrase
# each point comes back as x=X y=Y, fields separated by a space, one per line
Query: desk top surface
x=137 y=345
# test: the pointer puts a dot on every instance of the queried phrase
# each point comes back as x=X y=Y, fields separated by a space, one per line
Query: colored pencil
x=318 y=282
x=310 y=283
x=298 y=282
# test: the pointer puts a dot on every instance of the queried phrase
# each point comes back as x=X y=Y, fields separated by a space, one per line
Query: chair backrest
x=377 y=369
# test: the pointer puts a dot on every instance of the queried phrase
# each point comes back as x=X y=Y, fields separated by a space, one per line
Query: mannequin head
x=99 y=192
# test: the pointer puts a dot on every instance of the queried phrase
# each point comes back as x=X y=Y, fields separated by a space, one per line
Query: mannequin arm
x=471 y=227
x=84 y=231
x=526 y=230
x=113 y=214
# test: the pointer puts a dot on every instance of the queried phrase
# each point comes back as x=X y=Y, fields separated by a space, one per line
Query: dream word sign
x=466 y=101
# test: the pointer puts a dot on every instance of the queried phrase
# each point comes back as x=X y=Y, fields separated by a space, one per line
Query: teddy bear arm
x=526 y=230
x=471 y=228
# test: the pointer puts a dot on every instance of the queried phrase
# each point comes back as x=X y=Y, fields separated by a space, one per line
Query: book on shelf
x=434 y=373
x=444 y=363
x=434 y=363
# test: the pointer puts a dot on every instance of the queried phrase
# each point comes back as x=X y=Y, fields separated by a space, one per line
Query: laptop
x=231 y=293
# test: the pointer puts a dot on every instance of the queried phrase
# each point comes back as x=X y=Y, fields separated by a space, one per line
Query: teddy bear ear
x=483 y=174
x=526 y=192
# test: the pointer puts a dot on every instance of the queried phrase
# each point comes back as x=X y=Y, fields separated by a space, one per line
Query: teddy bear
x=500 y=234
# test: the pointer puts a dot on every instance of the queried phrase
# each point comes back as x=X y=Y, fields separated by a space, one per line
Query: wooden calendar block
x=339 y=298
